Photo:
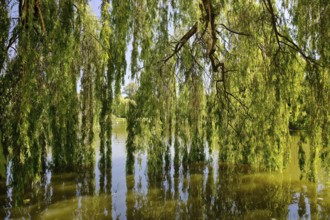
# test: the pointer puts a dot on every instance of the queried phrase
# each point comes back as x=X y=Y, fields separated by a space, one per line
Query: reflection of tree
x=130 y=195
x=237 y=192
x=105 y=189
x=196 y=192
x=301 y=205
x=167 y=173
x=210 y=194
x=234 y=195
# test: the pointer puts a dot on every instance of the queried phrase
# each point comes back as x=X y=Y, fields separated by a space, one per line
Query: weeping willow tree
x=54 y=87
x=237 y=74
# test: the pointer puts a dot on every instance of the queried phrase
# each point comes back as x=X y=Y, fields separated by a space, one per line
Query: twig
x=235 y=32
x=290 y=43
x=182 y=42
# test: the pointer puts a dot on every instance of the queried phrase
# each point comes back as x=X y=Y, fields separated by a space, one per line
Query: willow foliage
x=240 y=73
x=237 y=74
x=50 y=97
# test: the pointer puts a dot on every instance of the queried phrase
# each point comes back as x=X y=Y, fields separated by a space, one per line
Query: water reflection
x=207 y=190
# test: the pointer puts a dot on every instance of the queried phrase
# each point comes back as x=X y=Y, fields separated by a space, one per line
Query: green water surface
x=209 y=190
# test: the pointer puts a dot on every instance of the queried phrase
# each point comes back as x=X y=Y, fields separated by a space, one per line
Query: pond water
x=200 y=191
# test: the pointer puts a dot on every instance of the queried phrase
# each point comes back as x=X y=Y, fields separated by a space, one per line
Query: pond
x=200 y=191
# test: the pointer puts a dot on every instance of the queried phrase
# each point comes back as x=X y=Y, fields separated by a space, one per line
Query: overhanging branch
x=286 y=40
x=233 y=31
x=182 y=42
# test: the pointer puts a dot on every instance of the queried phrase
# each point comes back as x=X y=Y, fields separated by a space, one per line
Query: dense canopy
x=238 y=74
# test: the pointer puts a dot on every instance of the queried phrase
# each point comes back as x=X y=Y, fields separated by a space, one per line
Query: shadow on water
x=207 y=190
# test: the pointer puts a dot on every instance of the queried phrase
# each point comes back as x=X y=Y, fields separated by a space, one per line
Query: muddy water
x=200 y=191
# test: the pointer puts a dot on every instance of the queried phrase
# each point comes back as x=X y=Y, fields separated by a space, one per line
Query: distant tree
x=130 y=90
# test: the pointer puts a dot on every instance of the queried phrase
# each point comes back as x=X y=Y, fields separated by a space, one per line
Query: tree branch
x=270 y=9
x=182 y=42
x=290 y=43
x=235 y=32
x=237 y=99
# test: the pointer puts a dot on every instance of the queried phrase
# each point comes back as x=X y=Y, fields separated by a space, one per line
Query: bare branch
x=231 y=30
x=270 y=9
x=237 y=99
x=289 y=42
x=12 y=41
x=182 y=42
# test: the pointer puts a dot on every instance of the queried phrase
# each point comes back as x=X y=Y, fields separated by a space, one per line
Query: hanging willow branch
x=286 y=40
x=37 y=5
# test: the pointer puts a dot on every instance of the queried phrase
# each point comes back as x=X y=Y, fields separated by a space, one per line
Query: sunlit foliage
x=237 y=75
